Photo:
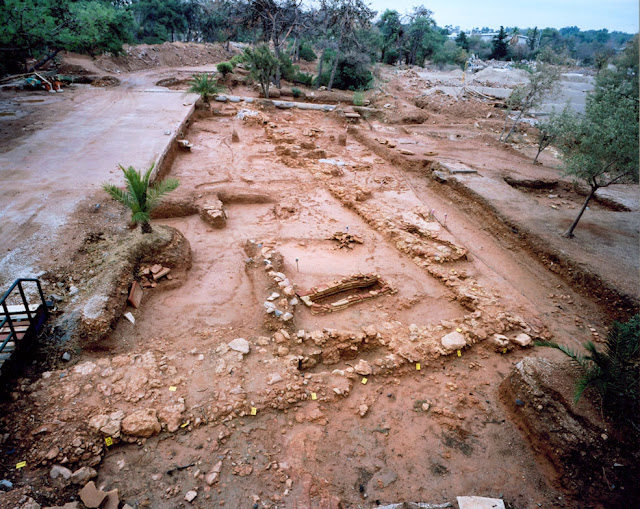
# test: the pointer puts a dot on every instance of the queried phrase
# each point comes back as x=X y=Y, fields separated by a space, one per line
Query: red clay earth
x=325 y=410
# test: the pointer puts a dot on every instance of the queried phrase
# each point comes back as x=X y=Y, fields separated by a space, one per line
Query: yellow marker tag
x=184 y=425
x=173 y=388
x=254 y=410
x=108 y=441
x=20 y=465
x=459 y=330
x=314 y=396
x=504 y=350
x=364 y=381
x=459 y=354
x=417 y=366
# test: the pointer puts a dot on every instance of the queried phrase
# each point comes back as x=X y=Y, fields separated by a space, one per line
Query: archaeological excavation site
x=308 y=298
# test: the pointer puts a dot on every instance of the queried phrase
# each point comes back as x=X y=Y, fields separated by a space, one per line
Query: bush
x=352 y=73
x=224 y=68
x=204 y=85
x=303 y=78
x=305 y=52
x=287 y=69
x=236 y=59
x=358 y=99
x=391 y=56
x=296 y=92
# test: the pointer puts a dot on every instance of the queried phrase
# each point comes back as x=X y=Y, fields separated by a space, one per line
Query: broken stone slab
x=479 y=503
x=162 y=273
x=112 y=500
x=91 y=496
x=454 y=341
x=83 y=475
x=212 y=476
x=240 y=345
x=141 y=423
x=135 y=295
x=190 y=496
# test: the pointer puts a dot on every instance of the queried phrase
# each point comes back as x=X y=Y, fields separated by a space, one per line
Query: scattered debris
x=345 y=239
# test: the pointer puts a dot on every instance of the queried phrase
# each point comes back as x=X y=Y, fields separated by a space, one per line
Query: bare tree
x=542 y=83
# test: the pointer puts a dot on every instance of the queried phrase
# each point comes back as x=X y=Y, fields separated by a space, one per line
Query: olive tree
x=604 y=147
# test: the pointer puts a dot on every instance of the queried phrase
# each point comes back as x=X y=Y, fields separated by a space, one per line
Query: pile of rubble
x=150 y=275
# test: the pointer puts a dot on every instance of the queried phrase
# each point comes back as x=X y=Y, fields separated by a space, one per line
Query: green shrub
x=296 y=92
x=391 y=56
x=236 y=59
x=358 y=99
x=613 y=373
x=305 y=52
x=303 y=78
x=352 y=73
x=287 y=69
x=224 y=68
x=204 y=85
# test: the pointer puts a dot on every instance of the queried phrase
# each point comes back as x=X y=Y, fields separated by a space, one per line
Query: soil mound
x=169 y=54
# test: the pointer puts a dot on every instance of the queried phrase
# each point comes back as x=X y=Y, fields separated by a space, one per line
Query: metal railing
x=9 y=317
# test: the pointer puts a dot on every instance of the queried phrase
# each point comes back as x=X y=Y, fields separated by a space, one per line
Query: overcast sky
x=619 y=15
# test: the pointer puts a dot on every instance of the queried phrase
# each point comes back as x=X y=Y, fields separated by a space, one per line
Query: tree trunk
x=39 y=64
x=320 y=69
x=145 y=226
x=513 y=126
x=569 y=233
x=540 y=149
x=333 y=70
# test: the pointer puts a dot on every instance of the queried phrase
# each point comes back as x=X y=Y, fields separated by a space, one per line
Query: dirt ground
x=357 y=408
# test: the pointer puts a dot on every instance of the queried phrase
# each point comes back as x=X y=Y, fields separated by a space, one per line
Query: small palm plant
x=613 y=373
x=204 y=85
x=140 y=196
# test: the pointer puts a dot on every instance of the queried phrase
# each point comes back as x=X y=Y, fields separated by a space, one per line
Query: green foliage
x=262 y=65
x=296 y=92
x=500 y=46
x=41 y=28
x=236 y=59
x=303 y=78
x=358 y=99
x=287 y=69
x=558 y=129
x=305 y=52
x=224 y=68
x=204 y=85
x=391 y=56
x=450 y=53
x=542 y=83
x=613 y=373
x=140 y=196
x=352 y=73
x=462 y=41
x=604 y=146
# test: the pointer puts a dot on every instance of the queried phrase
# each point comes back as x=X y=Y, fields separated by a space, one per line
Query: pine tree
x=500 y=45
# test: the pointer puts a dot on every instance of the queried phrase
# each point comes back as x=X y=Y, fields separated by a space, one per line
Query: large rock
x=240 y=345
x=83 y=475
x=522 y=339
x=60 y=471
x=141 y=423
x=171 y=416
x=363 y=368
x=454 y=341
